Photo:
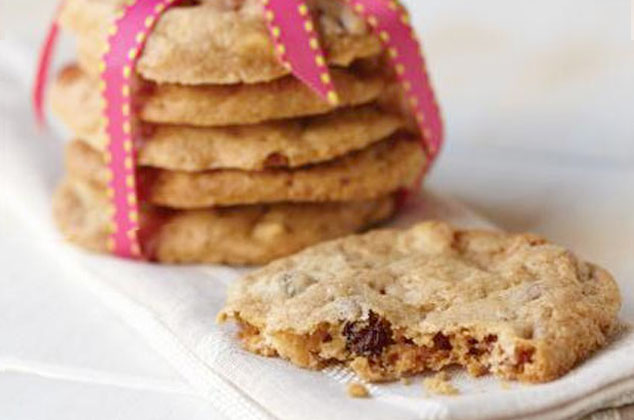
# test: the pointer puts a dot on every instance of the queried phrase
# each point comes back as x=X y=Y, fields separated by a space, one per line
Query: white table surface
x=538 y=97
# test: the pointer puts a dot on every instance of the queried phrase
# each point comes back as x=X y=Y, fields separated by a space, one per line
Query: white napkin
x=174 y=308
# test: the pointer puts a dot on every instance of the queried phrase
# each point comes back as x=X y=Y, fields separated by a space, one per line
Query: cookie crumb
x=440 y=384
x=406 y=381
x=356 y=390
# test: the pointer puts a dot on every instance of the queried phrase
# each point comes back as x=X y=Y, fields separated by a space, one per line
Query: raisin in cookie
x=394 y=303
x=237 y=235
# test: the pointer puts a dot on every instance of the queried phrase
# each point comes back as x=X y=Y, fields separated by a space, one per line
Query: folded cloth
x=174 y=308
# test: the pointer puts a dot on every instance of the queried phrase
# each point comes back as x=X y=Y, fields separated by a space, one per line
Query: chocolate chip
x=368 y=338
x=441 y=342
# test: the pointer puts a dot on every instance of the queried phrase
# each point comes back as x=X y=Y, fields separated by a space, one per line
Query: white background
x=539 y=102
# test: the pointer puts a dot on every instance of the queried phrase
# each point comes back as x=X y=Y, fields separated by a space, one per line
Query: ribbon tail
x=42 y=75
x=297 y=45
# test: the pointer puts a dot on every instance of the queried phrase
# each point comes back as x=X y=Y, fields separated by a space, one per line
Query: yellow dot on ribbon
x=385 y=37
x=308 y=26
x=281 y=49
x=325 y=78
x=133 y=216
x=270 y=16
x=314 y=43
x=320 y=60
x=333 y=98
x=129 y=181
x=276 y=31
x=127 y=146
x=125 y=90
x=358 y=7
x=303 y=9
x=132 y=199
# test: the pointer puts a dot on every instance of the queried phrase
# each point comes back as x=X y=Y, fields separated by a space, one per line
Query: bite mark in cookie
x=391 y=304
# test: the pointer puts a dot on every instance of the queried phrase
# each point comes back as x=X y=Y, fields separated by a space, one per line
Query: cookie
x=237 y=235
x=284 y=143
x=216 y=105
x=216 y=42
x=376 y=171
x=394 y=303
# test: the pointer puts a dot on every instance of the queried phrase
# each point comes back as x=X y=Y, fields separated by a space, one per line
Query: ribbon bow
x=297 y=45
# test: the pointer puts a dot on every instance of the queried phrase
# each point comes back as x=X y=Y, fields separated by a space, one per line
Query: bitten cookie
x=214 y=105
x=237 y=235
x=216 y=41
x=394 y=303
x=377 y=171
x=277 y=144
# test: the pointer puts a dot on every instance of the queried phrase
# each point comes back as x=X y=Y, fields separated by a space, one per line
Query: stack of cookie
x=239 y=162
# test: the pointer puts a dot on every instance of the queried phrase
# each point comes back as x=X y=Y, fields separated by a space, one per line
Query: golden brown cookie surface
x=239 y=235
x=285 y=143
x=224 y=105
x=395 y=303
x=216 y=42
x=377 y=171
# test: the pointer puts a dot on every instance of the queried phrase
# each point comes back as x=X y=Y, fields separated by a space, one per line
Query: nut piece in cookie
x=394 y=303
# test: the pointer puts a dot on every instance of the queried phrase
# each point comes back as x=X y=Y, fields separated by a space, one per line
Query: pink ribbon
x=297 y=45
